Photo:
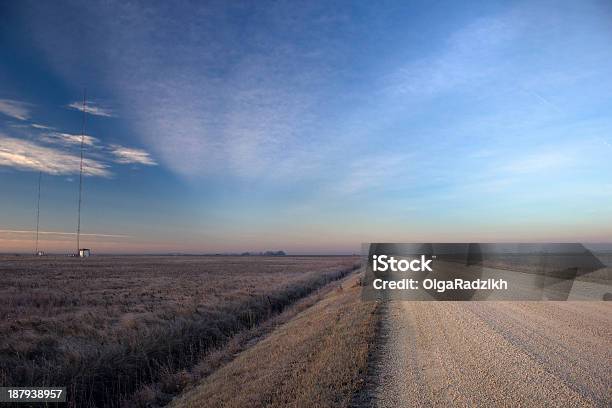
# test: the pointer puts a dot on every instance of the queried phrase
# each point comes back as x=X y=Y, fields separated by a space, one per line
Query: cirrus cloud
x=40 y=127
x=92 y=108
x=128 y=155
x=15 y=109
x=70 y=139
x=27 y=155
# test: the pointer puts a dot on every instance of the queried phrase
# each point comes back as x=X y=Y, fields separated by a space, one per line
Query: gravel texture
x=553 y=354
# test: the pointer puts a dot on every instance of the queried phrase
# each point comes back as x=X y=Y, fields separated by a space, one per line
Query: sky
x=310 y=127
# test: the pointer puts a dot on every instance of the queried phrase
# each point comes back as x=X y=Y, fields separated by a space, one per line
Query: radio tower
x=38 y=210
x=78 y=252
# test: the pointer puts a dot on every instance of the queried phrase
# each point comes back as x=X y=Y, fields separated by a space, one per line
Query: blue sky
x=305 y=126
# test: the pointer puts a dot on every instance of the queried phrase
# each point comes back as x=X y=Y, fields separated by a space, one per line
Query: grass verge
x=317 y=359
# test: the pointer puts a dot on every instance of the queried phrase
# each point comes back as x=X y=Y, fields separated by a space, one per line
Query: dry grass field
x=107 y=326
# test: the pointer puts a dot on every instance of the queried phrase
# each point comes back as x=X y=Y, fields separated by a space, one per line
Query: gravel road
x=494 y=354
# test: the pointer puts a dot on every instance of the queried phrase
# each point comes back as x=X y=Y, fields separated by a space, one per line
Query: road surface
x=435 y=354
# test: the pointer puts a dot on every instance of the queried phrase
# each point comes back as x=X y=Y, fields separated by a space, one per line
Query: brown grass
x=318 y=359
x=108 y=326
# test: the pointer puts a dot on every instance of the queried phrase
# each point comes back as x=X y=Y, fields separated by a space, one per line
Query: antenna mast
x=81 y=174
x=38 y=210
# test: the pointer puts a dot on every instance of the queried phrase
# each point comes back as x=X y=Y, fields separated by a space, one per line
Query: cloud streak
x=127 y=155
x=92 y=108
x=58 y=155
x=27 y=155
x=231 y=100
x=15 y=109
x=536 y=163
x=460 y=63
x=40 y=127
x=70 y=139
x=7 y=231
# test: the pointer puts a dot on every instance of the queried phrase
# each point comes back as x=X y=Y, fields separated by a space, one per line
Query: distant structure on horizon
x=84 y=252
x=267 y=253
x=36 y=251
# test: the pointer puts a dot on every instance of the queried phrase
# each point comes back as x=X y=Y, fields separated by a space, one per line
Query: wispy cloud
x=92 y=108
x=127 y=155
x=535 y=163
x=27 y=155
x=15 y=109
x=70 y=139
x=462 y=62
x=40 y=127
x=225 y=102
x=9 y=231
x=372 y=173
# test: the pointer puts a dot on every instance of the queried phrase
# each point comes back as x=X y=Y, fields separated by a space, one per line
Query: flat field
x=105 y=326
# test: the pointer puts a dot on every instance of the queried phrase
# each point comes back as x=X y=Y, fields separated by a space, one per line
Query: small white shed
x=84 y=252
